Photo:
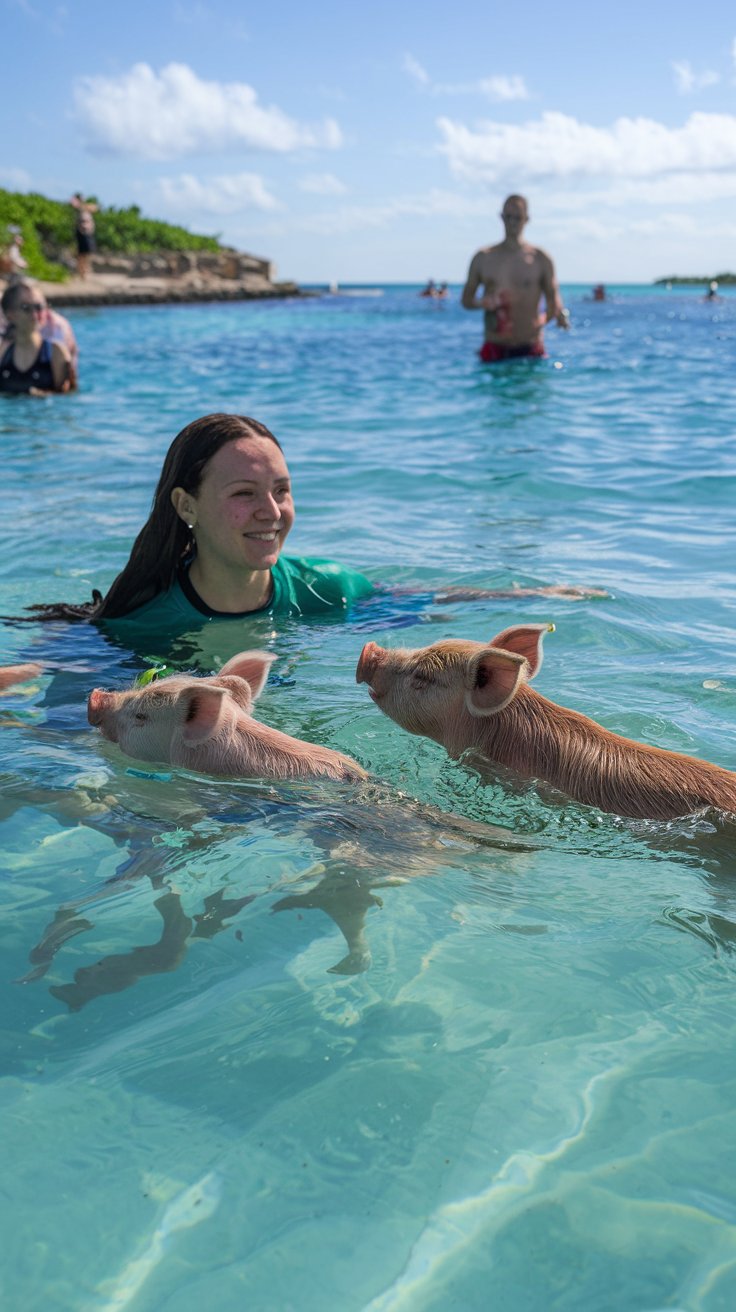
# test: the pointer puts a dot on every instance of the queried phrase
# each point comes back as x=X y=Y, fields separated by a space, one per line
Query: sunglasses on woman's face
x=32 y=307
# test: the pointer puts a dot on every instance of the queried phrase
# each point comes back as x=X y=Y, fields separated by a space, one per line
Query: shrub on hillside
x=48 y=226
x=125 y=230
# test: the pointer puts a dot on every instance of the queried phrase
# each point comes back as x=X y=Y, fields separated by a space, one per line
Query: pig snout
x=368 y=662
x=99 y=706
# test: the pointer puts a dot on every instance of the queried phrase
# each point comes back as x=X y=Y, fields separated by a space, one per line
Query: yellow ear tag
x=150 y=676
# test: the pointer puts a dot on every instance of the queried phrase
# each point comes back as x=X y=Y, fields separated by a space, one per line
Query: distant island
x=138 y=260
x=723 y=279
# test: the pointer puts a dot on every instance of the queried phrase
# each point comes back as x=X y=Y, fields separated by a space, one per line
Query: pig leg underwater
x=384 y=841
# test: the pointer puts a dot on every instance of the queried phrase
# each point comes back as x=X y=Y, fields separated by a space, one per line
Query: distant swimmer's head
x=714 y=286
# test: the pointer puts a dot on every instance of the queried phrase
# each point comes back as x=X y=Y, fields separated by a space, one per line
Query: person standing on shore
x=84 y=231
x=514 y=277
x=12 y=260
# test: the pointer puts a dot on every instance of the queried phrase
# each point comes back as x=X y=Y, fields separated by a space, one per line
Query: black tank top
x=39 y=375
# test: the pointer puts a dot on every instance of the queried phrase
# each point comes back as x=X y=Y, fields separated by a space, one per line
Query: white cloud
x=415 y=70
x=672 y=189
x=587 y=228
x=226 y=194
x=322 y=184
x=498 y=87
x=352 y=218
x=687 y=80
x=504 y=88
x=557 y=145
x=174 y=112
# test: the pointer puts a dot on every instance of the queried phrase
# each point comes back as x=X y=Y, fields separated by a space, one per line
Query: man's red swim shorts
x=492 y=352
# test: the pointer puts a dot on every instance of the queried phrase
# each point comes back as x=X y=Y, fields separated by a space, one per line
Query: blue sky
x=376 y=142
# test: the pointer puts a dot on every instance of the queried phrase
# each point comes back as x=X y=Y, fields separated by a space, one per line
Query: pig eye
x=420 y=681
x=140 y=718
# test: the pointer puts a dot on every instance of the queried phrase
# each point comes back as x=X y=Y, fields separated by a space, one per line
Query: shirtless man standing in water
x=514 y=276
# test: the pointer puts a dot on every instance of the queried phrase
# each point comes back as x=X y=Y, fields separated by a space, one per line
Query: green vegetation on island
x=723 y=279
x=47 y=228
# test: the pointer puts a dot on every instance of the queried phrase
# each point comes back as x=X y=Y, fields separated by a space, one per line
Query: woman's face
x=243 y=509
x=29 y=310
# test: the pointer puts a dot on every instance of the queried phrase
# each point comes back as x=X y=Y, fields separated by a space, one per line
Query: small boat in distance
x=336 y=290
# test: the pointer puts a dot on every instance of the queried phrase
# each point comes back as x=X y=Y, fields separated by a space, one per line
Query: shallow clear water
x=526 y=1085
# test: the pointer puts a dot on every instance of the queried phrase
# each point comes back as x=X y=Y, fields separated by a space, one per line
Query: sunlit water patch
x=397 y=1045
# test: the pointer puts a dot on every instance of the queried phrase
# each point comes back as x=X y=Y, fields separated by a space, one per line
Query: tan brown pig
x=470 y=695
x=207 y=725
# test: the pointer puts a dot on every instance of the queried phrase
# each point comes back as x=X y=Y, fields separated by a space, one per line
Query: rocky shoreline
x=167 y=277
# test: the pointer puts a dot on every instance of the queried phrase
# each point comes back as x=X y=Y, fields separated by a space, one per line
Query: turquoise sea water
x=518 y=1088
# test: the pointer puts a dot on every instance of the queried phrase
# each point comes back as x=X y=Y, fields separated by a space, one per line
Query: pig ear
x=492 y=679
x=253 y=666
x=202 y=709
x=525 y=640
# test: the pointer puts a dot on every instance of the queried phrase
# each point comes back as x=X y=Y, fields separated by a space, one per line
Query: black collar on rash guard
x=195 y=600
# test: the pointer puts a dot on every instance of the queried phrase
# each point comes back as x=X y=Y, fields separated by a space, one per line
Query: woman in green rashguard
x=211 y=546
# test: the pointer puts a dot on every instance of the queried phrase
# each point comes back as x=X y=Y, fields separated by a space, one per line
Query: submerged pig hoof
x=355 y=963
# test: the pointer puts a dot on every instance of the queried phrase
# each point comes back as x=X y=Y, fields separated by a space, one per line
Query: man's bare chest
x=520 y=270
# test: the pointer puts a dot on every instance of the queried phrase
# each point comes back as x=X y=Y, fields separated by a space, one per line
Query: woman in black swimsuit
x=30 y=364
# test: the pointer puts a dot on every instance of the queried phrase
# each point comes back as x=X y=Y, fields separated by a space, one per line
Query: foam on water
x=402 y=1063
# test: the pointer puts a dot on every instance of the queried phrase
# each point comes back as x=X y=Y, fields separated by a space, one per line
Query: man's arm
x=472 y=284
x=61 y=368
x=551 y=293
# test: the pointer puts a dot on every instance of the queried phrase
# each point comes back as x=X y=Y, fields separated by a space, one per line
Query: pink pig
x=10 y=675
x=470 y=695
x=206 y=725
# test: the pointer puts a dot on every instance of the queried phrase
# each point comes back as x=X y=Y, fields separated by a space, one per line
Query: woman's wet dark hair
x=164 y=541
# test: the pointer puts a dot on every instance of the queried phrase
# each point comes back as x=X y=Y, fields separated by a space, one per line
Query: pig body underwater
x=11 y=675
x=207 y=725
x=469 y=695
